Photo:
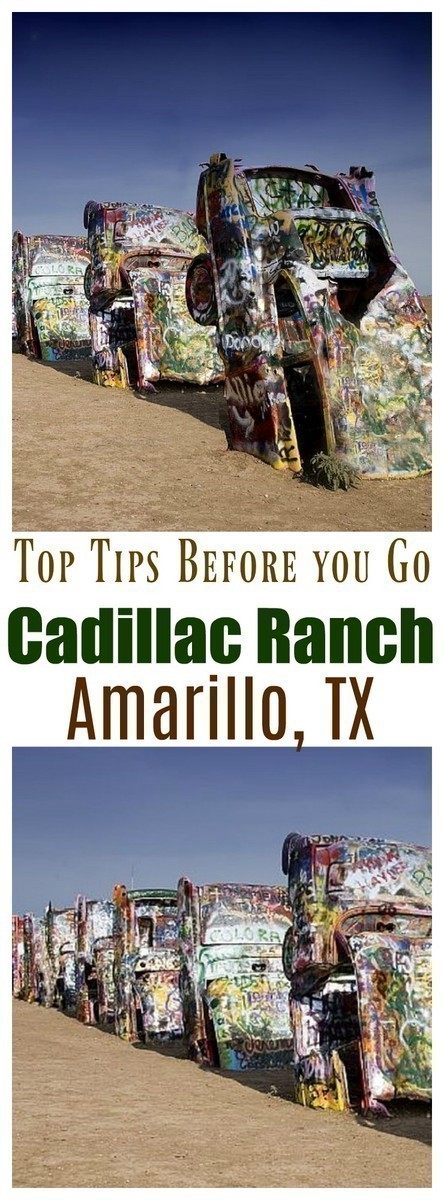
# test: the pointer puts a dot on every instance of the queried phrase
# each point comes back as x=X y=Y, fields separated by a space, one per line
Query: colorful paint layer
x=234 y=993
x=17 y=957
x=36 y=965
x=50 y=305
x=94 y=961
x=325 y=341
x=148 y=1005
x=358 y=957
x=141 y=330
x=59 y=988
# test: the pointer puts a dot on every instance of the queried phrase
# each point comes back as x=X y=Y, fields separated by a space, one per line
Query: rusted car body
x=141 y=330
x=17 y=957
x=148 y=1006
x=50 y=305
x=234 y=992
x=94 y=961
x=358 y=957
x=325 y=340
x=59 y=959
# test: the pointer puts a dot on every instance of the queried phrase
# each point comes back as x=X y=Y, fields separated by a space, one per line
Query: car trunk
x=156 y=994
x=169 y=343
x=393 y=978
x=246 y=1009
x=59 y=311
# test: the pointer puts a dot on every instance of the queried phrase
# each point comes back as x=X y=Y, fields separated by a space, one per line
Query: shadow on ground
x=204 y=404
x=207 y=405
x=273 y=1082
x=81 y=368
x=174 y=1049
x=407 y=1119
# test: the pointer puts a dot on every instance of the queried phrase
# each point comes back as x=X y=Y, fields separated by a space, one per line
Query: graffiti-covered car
x=358 y=957
x=141 y=330
x=17 y=956
x=94 y=961
x=59 y=959
x=234 y=992
x=146 y=970
x=325 y=341
x=35 y=967
x=51 y=309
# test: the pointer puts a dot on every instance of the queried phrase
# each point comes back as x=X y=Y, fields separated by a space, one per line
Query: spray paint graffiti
x=51 y=310
x=35 y=964
x=358 y=957
x=141 y=330
x=213 y=962
x=234 y=994
x=17 y=957
x=148 y=1005
x=325 y=341
x=94 y=961
x=59 y=987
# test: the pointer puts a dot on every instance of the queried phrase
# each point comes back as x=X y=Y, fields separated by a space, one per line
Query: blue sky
x=85 y=819
x=126 y=106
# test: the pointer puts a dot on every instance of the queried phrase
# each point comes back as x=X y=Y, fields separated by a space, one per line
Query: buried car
x=51 y=309
x=17 y=957
x=234 y=992
x=146 y=970
x=59 y=985
x=35 y=965
x=358 y=957
x=141 y=330
x=94 y=961
x=325 y=341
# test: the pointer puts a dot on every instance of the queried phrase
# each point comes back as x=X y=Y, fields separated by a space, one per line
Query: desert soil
x=91 y=1111
x=86 y=457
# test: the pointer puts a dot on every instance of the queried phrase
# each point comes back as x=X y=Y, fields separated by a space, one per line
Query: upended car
x=59 y=983
x=233 y=988
x=358 y=959
x=146 y=965
x=35 y=959
x=141 y=330
x=17 y=957
x=94 y=961
x=50 y=306
x=325 y=340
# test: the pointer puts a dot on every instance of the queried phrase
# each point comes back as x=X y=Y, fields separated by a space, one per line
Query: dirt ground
x=86 y=457
x=91 y=1111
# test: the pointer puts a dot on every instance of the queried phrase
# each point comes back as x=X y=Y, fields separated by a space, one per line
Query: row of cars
x=285 y=285
x=332 y=973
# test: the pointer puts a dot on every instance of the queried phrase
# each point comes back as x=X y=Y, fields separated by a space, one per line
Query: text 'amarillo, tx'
x=149 y=636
